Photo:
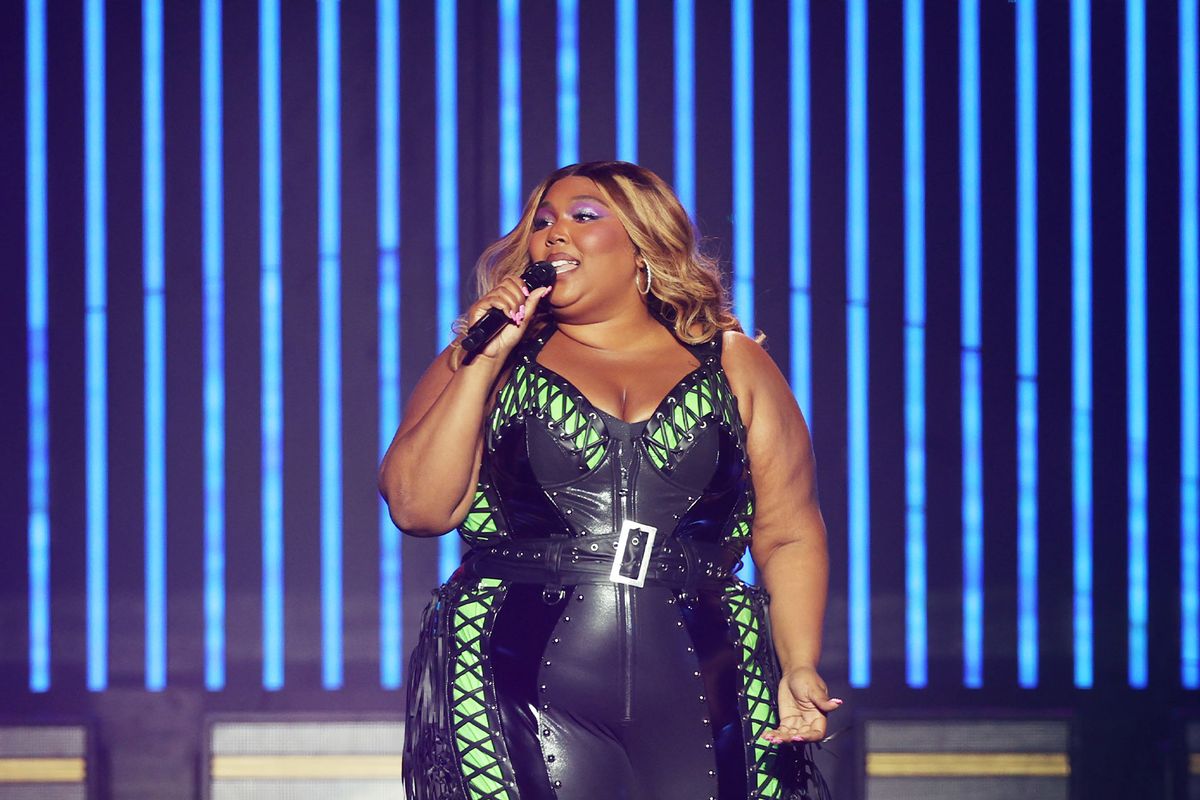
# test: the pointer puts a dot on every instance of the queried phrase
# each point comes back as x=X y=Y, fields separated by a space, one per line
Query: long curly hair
x=686 y=291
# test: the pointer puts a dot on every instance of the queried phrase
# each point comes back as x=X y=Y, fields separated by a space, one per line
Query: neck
x=622 y=332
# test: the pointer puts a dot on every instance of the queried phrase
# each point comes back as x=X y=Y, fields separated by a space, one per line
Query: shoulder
x=742 y=357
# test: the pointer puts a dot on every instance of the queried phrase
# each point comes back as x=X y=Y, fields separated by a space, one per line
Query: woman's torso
x=556 y=466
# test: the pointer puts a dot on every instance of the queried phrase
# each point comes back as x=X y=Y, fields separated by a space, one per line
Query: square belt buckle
x=637 y=534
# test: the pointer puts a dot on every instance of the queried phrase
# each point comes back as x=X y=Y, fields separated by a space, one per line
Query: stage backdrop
x=236 y=233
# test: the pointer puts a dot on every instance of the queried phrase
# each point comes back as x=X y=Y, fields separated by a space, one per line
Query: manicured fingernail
x=837 y=700
x=525 y=289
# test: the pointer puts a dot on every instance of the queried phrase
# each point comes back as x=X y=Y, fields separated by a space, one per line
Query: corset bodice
x=556 y=466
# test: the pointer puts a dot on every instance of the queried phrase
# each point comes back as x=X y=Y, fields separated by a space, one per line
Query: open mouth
x=564 y=266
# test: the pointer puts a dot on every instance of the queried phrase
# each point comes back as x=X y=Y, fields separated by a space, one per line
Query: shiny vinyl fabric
x=536 y=676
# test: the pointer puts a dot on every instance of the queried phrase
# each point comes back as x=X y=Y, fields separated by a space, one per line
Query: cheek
x=605 y=240
x=537 y=244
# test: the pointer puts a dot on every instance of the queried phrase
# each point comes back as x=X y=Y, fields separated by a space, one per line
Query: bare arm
x=788 y=540
x=429 y=471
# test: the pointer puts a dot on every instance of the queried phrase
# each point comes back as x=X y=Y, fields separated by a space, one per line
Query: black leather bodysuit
x=540 y=676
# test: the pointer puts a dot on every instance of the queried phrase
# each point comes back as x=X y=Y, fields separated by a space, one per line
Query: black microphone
x=536 y=275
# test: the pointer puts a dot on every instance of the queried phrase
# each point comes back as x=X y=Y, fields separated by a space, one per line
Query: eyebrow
x=579 y=197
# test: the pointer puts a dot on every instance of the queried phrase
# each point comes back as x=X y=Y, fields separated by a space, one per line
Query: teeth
x=564 y=263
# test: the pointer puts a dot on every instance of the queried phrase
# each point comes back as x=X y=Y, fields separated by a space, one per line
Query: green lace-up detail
x=756 y=695
x=483 y=523
x=480 y=751
x=533 y=390
x=691 y=405
x=740 y=532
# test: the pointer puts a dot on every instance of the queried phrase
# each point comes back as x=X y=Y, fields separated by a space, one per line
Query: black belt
x=565 y=561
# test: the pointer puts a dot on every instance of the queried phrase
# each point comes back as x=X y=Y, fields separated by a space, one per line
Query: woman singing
x=597 y=456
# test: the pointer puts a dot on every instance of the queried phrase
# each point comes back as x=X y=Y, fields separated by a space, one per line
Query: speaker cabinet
x=284 y=757
x=45 y=762
x=947 y=758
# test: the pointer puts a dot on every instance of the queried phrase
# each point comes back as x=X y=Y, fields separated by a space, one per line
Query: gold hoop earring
x=649 y=278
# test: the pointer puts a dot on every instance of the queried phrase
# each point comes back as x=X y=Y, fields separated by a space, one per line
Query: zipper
x=631 y=512
x=626 y=599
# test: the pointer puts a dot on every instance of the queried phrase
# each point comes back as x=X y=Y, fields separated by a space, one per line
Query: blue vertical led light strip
x=916 y=637
x=568 y=81
x=1189 y=350
x=742 y=31
x=800 y=204
x=155 y=431
x=329 y=281
x=1027 y=361
x=627 y=94
x=36 y=319
x=1081 y=333
x=214 y=345
x=391 y=631
x=857 y=298
x=95 y=336
x=271 y=323
x=446 y=23
x=971 y=342
x=509 y=14
x=685 y=104
x=1135 y=332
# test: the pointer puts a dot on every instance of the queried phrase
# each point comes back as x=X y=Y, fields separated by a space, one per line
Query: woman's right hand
x=515 y=299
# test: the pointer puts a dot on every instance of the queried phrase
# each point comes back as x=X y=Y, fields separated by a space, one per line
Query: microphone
x=536 y=275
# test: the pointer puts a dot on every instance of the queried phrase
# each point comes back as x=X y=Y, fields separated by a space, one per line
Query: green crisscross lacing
x=530 y=389
x=740 y=532
x=669 y=433
x=480 y=751
x=483 y=524
x=757 y=709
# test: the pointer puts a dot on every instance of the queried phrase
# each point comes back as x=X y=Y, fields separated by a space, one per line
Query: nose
x=556 y=233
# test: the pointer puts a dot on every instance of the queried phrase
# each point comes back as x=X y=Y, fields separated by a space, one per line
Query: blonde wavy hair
x=686 y=291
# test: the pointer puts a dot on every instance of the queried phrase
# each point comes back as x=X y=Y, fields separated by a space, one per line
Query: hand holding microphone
x=507 y=303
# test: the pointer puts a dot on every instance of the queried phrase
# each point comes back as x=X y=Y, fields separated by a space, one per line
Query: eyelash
x=538 y=224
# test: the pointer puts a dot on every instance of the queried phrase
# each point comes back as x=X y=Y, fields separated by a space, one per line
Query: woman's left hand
x=803 y=703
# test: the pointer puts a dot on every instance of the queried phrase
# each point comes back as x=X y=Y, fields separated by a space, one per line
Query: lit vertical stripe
x=1135 y=310
x=153 y=254
x=916 y=637
x=685 y=104
x=743 y=163
x=1027 y=361
x=391 y=633
x=214 y=346
x=742 y=31
x=971 y=342
x=858 y=488
x=447 y=208
x=568 y=81
x=510 y=114
x=330 y=211
x=1189 y=349
x=627 y=95
x=271 y=308
x=36 y=317
x=800 y=203
x=95 y=335
x=1081 y=332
